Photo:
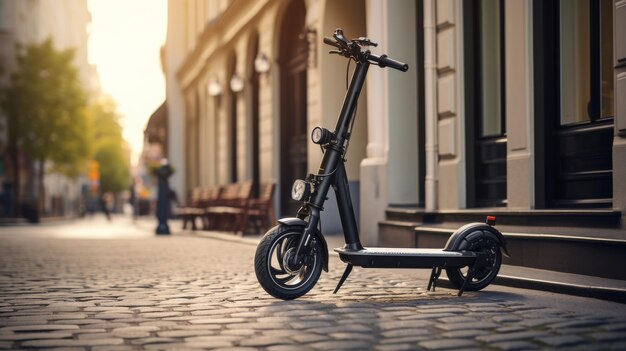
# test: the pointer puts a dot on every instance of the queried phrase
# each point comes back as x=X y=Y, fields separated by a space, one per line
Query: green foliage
x=45 y=106
x=155 y=167
x=114 y=175
x=49 y=118
x=109 y=146
x=105 y=118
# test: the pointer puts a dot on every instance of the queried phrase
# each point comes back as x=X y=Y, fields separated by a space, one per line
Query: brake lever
x=365 y=42
x=337 y=52
x=338 y=35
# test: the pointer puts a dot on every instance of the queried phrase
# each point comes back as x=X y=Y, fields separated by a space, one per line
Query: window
x=606 y=52
x=485 y=103
x=586 y=55
x=491 y=59
x=574 y=97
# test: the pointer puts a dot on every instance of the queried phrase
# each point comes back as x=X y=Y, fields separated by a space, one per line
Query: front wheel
x=273 y=267
x=478 y=242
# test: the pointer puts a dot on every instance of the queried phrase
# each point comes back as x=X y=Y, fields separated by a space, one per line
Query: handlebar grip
x=384 y=61
x=331 y=42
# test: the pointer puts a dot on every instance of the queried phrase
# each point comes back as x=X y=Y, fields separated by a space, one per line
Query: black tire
x=480 y=241
x=270 y=263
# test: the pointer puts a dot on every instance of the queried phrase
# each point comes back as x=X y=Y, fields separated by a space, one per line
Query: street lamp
x=261 y=63
x=236 y=83
x=214 y=88
x=163 y=200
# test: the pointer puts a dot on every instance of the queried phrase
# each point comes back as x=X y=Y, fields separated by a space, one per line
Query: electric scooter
x=290 y=257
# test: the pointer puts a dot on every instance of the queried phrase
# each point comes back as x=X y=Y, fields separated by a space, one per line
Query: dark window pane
x=606 y=52
x=491 y=121
x=575 y=60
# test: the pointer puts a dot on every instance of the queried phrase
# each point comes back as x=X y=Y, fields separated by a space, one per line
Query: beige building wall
x=206 y=63
x=520 y=112
x=204 y=35
x=66 y=23
x=389 y=173
x=268 y=100
x=174 y=53
x=328 y=86
x=209 y=43
x=619 y=141
x=450 y=106
x=402 y=146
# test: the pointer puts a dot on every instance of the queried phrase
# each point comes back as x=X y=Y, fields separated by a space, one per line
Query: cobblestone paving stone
x=187 y=293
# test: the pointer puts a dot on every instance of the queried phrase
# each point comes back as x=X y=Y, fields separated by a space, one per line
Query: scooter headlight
x=300 y=190
x=321 y=136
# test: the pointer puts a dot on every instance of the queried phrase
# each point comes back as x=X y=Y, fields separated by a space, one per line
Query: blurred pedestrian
x=105 y=206
x=173 y=199
x=7 y=199
x=133 y=198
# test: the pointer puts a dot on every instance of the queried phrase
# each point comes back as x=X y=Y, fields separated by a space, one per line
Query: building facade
x=246 y=83
x=27 y=22
x=509 y=107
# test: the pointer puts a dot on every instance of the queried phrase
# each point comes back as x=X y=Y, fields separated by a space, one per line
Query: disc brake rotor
x=288 y=266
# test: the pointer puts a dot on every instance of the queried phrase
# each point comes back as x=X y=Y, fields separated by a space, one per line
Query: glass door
x=581 y=133
x=485 y=103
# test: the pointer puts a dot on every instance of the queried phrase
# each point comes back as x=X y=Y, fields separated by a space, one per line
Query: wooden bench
x=230 y=212
x=230 y=208
x=261 y=210
x=200 y=199
x=210 y=197
x=192 y=209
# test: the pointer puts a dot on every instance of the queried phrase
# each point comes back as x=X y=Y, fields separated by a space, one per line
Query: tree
x=109 y=146
x=45 y=106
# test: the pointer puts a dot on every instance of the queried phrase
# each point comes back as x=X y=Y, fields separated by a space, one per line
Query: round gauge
x=300 y=190
x=321 y=136
x=316 y=135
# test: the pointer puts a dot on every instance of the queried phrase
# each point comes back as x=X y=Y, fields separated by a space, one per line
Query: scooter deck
x=383 y=257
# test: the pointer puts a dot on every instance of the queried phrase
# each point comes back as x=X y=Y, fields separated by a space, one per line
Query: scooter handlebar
x=331 y=42
x=385 y=61
x=340 y=43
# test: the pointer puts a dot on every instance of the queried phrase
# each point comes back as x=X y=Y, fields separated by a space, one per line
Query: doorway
x=293 y=99
x=253 y=116
x=485 y=103
x=574 y=55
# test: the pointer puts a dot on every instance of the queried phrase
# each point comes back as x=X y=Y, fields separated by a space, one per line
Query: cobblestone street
x=91 y=285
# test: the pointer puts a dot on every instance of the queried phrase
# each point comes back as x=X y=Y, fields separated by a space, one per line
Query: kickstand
x=345 y=275
x=434 y=276
x=470 y=275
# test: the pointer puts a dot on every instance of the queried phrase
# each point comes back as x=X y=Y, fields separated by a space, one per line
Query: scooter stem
x=331 y=167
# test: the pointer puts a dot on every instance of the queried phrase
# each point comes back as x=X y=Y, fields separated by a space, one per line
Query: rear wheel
x=488 y=244
x=273 y=267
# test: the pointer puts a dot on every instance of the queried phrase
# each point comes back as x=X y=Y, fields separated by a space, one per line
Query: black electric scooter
x=291 y=256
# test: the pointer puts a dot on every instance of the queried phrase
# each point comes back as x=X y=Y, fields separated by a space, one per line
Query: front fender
x=297 y=222
x=455 y=240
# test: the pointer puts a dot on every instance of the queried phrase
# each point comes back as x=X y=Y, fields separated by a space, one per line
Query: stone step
x=558 y=282
x=528 y=218
x=573 y=253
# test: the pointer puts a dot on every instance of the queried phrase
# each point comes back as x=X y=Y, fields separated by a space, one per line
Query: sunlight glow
x=124 y=44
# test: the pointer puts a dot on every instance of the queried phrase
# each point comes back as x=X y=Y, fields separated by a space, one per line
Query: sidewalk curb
x=224 y=236
x=595 y=292
x=21 y=221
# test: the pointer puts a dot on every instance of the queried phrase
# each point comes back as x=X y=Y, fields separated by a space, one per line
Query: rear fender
x=297 y=222
x=456 y=239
